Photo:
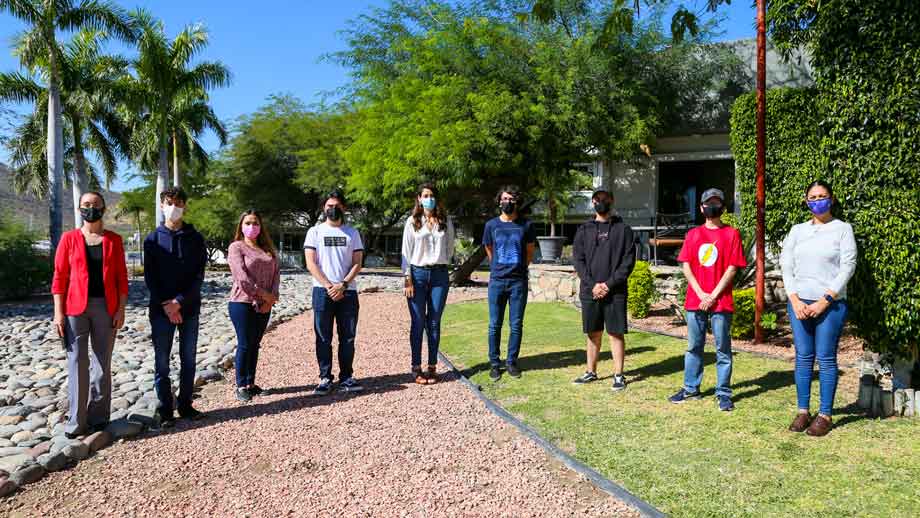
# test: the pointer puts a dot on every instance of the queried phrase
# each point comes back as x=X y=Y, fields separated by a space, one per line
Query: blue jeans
x=817 y=337
x=697 y=324
x=344 y=314
x=431 y=287
x=513 y=293
x=250 y=327
x=163 y=332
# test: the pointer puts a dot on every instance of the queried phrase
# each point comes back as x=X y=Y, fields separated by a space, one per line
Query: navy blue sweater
x=174 y=264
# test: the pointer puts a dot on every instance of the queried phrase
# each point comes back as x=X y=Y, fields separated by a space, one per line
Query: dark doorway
x=680 y=185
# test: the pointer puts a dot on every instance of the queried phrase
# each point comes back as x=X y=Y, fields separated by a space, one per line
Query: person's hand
x=817 y=307
x=59 y=319
x=599 y=290
x=118 y=321
x=264 y=307
x=336 y=292
x=267 y=296
x=801 y=310
x=707 y=301
x=173 y=312
x=409 y=288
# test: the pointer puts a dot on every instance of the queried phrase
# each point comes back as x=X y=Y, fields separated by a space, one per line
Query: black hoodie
x=604 y=252
x=174 y=262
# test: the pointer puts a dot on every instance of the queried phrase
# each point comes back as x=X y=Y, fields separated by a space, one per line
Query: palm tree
x=38 y=50
x=90 y=122
x=191 y=117
x=163 y=88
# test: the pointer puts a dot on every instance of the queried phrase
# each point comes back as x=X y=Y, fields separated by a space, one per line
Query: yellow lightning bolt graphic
x=707 y=253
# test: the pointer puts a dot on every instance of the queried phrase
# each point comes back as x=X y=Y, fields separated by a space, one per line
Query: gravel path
x=396 y=450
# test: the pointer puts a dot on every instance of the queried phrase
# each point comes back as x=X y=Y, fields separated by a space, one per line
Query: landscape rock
x=27 y=474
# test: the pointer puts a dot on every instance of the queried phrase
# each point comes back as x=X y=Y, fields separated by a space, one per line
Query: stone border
x=601 y=482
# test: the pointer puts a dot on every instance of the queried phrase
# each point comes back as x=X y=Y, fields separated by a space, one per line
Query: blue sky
x=275 y=46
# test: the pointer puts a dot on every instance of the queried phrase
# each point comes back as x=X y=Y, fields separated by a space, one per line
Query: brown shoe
x=418 y=377
x=820 y=426
x=801 y=422
x=432 y=374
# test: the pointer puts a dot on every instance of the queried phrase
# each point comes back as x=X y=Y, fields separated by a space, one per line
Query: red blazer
x=71 y=276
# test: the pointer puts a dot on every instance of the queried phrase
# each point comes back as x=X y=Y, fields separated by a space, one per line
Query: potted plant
x=558 y=191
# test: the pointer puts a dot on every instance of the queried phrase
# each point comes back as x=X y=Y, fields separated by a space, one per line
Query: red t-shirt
x=710 y=251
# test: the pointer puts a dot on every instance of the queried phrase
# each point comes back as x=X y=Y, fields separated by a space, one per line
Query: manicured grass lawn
x=692 y=460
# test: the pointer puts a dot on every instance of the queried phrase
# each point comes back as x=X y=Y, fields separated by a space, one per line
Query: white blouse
x=427 y=246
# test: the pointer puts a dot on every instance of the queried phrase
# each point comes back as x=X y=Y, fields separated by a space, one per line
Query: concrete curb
x=601 y=482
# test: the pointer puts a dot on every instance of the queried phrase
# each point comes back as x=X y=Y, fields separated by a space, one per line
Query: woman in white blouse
x=818 y=259
x=427 y=249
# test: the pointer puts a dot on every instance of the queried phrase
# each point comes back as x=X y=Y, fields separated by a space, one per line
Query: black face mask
x=711 y=211
x=334 y=214
x=91 y=214
x=508 y=207
x=602 y=207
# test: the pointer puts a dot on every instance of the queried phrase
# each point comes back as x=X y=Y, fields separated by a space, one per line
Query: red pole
x=761 y=164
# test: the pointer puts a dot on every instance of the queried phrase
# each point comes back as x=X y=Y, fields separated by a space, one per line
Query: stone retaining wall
x=551 y=283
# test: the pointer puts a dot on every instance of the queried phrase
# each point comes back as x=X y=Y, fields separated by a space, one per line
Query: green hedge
x=642 y=292
x=743 y=319
x=859 y=129
x=23 y=271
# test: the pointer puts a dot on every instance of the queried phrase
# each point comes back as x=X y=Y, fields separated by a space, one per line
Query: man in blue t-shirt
x=510 y=241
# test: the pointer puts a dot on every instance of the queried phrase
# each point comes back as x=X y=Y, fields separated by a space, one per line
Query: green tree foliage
x=23 y=271
x=860 y=130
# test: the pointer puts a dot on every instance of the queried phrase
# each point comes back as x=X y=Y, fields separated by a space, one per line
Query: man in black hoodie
x=604 y=254
x=174 y=261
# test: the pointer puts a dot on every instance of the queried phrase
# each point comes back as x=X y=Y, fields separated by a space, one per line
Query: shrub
x=642 y=292
x=743 y=319
x=23 y=271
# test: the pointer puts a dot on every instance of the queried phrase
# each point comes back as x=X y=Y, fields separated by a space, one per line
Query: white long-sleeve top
x=427 y=246
x=817 y=258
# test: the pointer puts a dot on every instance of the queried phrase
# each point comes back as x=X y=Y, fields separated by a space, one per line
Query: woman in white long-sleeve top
x=818 y=259
x=427 y=249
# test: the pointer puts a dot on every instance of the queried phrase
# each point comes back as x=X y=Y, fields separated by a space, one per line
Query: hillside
x=33 y=212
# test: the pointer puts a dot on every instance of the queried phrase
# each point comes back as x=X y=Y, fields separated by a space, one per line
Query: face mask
x=91 y=214
x=602 y=207
x=712 y=211
x=251 y=231
x=334 y=214
x=173 y=213
x=819 y=207
x=429 y=203
x=508 y=207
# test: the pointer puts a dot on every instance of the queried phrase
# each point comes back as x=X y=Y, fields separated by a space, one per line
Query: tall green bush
x=23 y=271
x=743 y=319
x=860 y=130
x=642 y=292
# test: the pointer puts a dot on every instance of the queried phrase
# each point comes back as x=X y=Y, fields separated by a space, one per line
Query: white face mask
x=173 y=213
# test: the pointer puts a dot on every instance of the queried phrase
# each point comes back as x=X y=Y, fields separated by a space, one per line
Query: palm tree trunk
x=162 y=177
x=78 y=181
x=55 y=154
x=175 y=146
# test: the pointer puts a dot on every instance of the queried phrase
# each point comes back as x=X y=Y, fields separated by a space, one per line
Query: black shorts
x=609 y=312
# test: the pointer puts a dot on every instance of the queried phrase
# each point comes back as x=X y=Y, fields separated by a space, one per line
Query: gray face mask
x=91 y=214
x=334 y=214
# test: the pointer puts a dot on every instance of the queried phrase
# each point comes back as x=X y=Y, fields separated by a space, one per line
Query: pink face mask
x=251 y=231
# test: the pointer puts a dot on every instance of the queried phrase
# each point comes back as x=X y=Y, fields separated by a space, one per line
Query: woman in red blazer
x=90 y=288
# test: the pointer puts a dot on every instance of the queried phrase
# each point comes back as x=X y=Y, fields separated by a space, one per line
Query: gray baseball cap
x=712 y=193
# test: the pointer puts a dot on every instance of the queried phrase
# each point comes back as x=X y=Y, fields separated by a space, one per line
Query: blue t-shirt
x=509 y=240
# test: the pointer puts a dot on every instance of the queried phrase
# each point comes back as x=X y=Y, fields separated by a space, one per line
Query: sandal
x=419 y=378
x=432 y=374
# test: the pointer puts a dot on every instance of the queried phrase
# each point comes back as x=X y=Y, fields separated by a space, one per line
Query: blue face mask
x=819 y=207
x=429 y=203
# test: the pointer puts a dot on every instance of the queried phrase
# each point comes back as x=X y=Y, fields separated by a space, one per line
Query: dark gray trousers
x=89 y=374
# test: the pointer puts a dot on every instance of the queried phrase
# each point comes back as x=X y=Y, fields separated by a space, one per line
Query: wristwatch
x=828 y=298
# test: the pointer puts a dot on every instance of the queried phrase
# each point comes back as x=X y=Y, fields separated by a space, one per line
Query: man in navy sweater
x=174 y=261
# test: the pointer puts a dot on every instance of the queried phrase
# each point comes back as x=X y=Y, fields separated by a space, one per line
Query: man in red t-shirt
x=711 y=255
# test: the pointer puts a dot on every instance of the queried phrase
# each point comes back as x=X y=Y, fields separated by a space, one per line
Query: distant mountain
x=33 y=212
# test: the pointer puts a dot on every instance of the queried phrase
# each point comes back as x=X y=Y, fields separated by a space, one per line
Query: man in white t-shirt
x=334 y=253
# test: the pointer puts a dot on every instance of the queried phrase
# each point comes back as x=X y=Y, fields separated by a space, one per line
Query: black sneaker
x=243 y=395
x=495 y=374
x=324 y=387
x=256 y=390
x=725 y=403
x=682 y=395
x=350 y=385
x=587 y=377
x=167 y=419
x=73 y=435
x=619 y=383
x=190 y=413
x=513 y=370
